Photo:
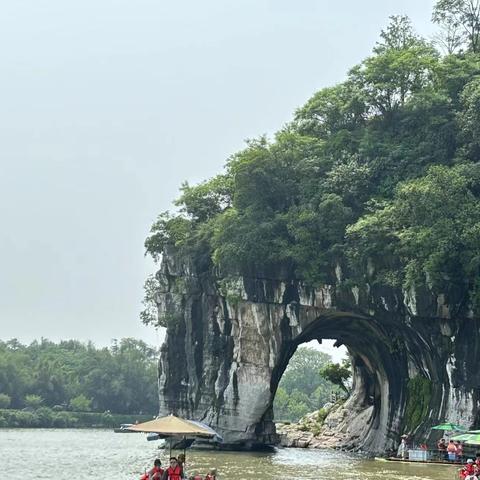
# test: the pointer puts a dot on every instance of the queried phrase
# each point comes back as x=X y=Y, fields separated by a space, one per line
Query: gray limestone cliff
x=229 y=341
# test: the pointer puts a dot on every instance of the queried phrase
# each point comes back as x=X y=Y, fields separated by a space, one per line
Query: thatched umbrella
x=172 y=426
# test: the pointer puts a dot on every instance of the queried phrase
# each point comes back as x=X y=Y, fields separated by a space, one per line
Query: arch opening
x=303 y=390
x=378 y=370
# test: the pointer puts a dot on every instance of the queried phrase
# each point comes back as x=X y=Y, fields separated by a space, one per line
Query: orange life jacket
x=154 y=470
x=174 y=473
x=158 y=470
x=468 y=469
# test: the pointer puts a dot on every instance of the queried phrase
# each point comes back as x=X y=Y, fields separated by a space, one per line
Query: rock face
x=310 y=432
x=229 y=341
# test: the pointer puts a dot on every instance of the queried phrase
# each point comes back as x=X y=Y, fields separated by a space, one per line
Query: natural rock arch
x=229 y=342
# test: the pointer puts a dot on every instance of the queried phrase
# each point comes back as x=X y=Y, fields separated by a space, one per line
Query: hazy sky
x=108 y=105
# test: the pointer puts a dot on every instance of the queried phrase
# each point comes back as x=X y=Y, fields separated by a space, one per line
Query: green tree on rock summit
x=378 y=170
x=462 y=20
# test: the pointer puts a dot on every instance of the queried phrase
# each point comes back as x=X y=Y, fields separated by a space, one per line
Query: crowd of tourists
x=175 y=471
x=452 y=451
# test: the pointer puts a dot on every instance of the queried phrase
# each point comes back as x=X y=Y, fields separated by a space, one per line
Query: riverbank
x=325 y=428
x=45 y=417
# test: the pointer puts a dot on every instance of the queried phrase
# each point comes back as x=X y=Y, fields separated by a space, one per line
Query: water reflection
x=90 y=454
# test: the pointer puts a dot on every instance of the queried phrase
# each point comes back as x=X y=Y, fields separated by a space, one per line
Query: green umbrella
x=473 y=440
x=462 y=437
x=449 y=426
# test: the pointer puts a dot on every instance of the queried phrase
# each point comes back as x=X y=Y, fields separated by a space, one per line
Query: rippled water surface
x=91 y=454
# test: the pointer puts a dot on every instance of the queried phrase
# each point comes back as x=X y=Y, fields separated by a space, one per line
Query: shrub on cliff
x=432 y=225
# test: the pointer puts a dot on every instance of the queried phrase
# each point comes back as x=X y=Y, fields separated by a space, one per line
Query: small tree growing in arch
x=338 y=374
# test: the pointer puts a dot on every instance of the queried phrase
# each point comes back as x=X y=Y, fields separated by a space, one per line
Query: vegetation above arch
x=381 y=169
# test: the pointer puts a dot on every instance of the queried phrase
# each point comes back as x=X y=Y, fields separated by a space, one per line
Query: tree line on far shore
x=78 y=377
x=75 y=384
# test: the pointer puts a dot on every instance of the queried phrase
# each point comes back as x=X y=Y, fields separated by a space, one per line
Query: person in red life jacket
x=174 y=471
x=154 y=473
x=469 y=471
x=212 y=474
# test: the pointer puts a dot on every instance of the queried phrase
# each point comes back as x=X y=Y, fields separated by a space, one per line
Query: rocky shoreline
x=325 y=428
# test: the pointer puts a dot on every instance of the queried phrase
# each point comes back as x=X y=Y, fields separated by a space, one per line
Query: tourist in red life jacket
x=469 y=471
x=154 y=473
x=212 y=475
x=174 y=471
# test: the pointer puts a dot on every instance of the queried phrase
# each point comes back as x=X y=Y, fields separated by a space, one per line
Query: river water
x=90 y=454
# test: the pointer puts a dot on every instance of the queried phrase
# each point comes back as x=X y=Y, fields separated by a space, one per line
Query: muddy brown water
x=90 y=454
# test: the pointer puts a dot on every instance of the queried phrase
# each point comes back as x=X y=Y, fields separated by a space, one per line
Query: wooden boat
x=123 y=428
x=443 y=463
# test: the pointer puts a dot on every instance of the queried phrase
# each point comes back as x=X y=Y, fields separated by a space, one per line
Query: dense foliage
x=378 y=174
x=302 y=389
x=74 y=376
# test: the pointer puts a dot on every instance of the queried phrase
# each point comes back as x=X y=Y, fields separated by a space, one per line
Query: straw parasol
x=172 y=426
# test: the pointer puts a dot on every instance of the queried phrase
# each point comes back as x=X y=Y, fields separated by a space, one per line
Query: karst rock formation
x=229 y=339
